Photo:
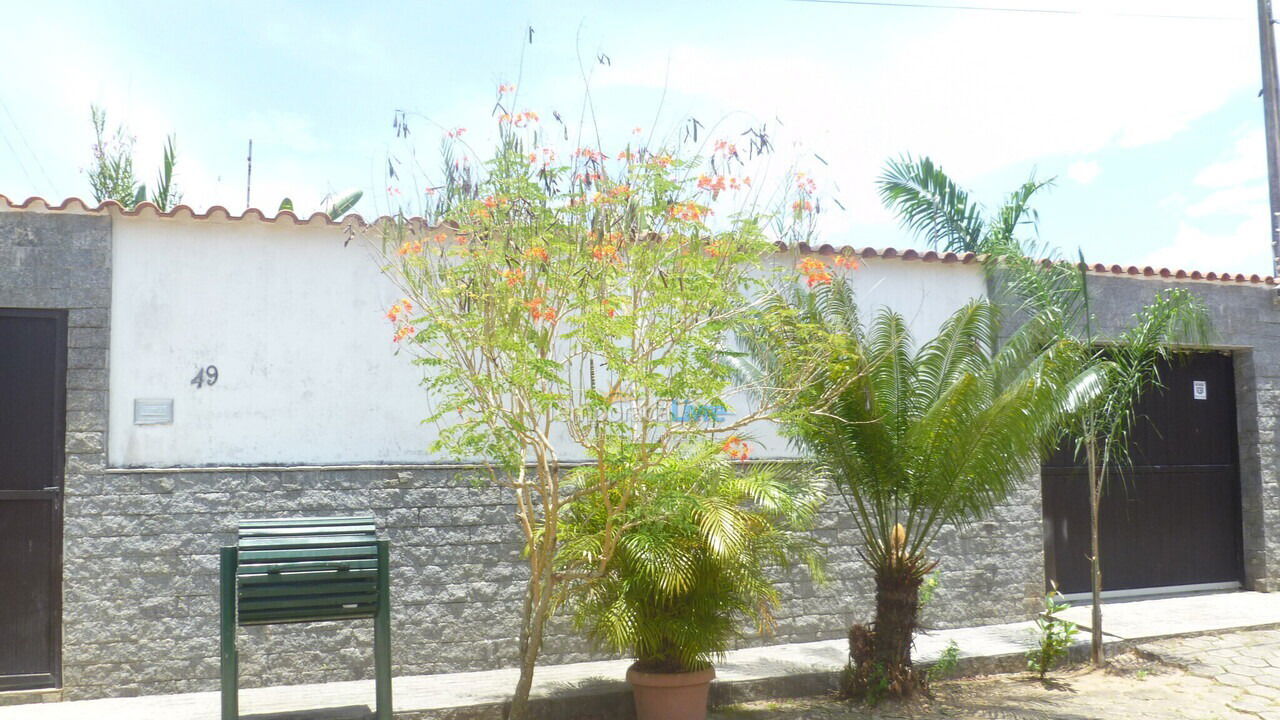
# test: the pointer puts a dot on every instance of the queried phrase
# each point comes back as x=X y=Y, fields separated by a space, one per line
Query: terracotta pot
x=671 y=696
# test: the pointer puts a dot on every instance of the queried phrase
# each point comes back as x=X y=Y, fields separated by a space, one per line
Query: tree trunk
x=1095 y=563
x=537 y=608
x=880 y=657
x=897 y=604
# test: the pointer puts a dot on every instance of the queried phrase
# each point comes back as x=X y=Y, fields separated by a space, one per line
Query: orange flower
x=536 y=253
x=662 y=161
x=605 y=252
x=410 y=247
x=404 y=306
x=726 y=147
x=513 y=275
x=801 y=206
x=439 y=238
x=403 y=332
x=589 y=154
x=736 y=448
x=505 y=88
x=847 y=261
x=687 y=211
x=815 y=271
x=719 y=248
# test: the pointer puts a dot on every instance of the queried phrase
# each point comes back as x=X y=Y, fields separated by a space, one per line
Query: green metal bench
x=295 y=570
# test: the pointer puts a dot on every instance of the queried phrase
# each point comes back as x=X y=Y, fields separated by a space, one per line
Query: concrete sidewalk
x=596 y=689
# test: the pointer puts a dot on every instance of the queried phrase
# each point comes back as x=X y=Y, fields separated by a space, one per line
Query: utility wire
x=18 y=157
x=23 y=137
x=1028 y=11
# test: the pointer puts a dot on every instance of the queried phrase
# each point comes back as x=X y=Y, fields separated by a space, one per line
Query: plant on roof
x=577 y=301
x=111 y=176
x=1035 y=280
x=921 y=437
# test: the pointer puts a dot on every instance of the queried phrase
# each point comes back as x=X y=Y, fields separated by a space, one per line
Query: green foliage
x=570 y=304
x=1054 y=294
x=690 y=568
x=111 y=175
x=1053 y=636
x=166 y=195
x=936 y=434
x=340 y=205
x=917 y=437
x=946 y=663
x=928 y=588
x=936 y=209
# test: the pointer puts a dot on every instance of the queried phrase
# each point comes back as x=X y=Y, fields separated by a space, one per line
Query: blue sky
x=1151 y=126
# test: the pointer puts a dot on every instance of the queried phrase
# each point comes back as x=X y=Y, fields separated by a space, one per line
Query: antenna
x=248 y=180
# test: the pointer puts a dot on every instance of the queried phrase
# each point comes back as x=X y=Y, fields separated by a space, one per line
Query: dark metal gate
x=33 y=361
x=1173 y=518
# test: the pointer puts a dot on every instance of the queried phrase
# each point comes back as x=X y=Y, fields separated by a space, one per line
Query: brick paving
x=1248 y=663
x=1233 y=676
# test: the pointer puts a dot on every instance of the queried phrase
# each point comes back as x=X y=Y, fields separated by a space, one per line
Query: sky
x=1150 y=127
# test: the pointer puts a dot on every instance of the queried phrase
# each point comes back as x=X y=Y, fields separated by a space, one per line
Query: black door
x=1171 y=519
x=33 y=353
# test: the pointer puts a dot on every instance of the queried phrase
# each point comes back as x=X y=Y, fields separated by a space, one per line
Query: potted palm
x=689 y=570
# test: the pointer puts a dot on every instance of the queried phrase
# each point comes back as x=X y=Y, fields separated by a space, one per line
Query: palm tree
x=935 y=208
x=930 y=203
x=919 y=438
x=693 y=564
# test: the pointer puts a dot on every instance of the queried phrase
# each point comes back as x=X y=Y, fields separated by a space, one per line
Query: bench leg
x=230 y=661
x=382 y=635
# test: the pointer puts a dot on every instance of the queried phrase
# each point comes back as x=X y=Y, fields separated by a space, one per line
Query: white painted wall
x=308 y=373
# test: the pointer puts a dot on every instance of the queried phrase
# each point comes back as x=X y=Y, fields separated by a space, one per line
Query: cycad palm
x=918 y=438
x=932 y=205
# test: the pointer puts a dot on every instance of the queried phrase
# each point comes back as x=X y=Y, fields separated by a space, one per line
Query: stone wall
x=63 y=262
x=142 y=611
x=1246 y=322
x=140 y=546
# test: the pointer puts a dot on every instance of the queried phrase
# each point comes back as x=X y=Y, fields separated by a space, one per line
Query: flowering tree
x=569 y=306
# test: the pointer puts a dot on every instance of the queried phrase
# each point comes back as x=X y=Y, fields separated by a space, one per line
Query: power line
x=23 y=137
x=1026 y=11
x=18 y=157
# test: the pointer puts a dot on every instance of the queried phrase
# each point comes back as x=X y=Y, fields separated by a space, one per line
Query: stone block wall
x=63 y=262
x=1245 y=322
x=141 y=577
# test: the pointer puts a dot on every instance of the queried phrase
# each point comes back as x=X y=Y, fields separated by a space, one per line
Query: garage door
x=1172 y=520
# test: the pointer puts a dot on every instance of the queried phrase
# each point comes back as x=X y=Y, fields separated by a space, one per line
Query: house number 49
x=205 y=376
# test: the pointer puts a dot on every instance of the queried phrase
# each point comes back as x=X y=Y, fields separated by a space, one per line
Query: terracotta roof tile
x=217 y=212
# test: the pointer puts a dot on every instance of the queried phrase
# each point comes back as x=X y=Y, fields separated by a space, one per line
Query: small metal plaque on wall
x=152 y=411
x=1200 y=389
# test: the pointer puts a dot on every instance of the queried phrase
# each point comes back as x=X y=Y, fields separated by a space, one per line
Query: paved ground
x=1228 y=677
x=595 y=689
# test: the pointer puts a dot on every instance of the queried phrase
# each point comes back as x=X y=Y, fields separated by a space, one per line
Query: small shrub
x=946 y=663
x=929 y=588
x=1054 y=636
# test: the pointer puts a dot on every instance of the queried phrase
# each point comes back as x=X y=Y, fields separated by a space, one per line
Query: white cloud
x=1247 y=199
x=1225 y=229
x=1245 y=248
x=1248 y=161
x=1083 y=171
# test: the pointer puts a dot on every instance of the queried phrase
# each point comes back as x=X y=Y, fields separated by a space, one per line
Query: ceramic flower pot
x=671 y=696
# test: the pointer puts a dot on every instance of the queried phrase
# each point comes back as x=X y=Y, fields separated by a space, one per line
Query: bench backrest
x=307 y=569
